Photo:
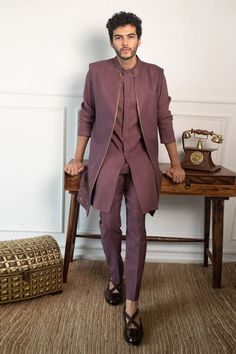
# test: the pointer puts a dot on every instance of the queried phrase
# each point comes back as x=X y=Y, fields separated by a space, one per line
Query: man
x=125 y=106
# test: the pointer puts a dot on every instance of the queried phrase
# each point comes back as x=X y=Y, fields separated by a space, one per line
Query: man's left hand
x=176 y=173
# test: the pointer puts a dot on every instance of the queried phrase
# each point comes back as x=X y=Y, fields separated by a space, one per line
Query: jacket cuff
x=84 y=130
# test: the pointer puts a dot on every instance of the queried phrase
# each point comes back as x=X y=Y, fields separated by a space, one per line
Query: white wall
x=45 y=48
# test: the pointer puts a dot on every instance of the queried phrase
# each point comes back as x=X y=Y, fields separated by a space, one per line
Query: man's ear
x=139 y=42
x=111 y=44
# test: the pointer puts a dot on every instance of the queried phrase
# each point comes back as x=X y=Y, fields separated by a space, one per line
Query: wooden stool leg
x=207 y=229
x=73 y=217
x=77 y=207
x=217 y=240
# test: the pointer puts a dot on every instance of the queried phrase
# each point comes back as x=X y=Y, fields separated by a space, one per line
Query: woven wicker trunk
x=30 y=268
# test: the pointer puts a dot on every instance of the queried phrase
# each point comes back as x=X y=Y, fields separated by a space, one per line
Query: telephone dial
x=199 y=157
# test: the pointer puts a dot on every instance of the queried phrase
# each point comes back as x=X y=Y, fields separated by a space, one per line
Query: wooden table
x=214 y=187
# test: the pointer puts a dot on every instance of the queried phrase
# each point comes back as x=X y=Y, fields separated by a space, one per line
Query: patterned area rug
x=180 y=310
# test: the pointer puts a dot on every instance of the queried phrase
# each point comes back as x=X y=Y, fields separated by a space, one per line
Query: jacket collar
x=135 y=69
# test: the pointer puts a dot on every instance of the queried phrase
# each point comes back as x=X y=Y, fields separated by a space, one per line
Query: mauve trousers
x=136 y=243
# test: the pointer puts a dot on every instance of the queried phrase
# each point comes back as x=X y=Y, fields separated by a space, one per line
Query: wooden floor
x=181 y=313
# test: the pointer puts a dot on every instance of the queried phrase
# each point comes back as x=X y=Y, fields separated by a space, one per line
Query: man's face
x=125 y=41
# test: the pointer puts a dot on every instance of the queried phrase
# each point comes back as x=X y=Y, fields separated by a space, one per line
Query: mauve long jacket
x=99 y=111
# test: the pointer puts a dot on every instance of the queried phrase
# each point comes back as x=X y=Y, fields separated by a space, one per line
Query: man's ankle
x=131 y=306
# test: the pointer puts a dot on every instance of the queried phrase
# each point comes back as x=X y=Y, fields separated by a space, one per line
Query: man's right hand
x=74 y=167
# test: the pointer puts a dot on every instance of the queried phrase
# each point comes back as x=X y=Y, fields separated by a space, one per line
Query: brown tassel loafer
x=113 y=295
x=133 y=332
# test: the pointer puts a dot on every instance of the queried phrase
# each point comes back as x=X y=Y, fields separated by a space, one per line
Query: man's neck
x=127 y=64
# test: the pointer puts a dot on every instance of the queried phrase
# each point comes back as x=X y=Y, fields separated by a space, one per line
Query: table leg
x=71 y=229
x=217 y=239
x=207 y=216
x=75 y=223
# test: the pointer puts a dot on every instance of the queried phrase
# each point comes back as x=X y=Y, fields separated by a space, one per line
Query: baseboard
x=154 y=255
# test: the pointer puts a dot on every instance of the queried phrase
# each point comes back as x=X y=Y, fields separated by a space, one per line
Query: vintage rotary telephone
x=199 y=157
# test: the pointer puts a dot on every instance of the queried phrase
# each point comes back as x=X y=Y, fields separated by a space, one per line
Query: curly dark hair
x=123 y=18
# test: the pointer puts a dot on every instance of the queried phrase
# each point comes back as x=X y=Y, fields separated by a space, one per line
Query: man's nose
x=125 y=41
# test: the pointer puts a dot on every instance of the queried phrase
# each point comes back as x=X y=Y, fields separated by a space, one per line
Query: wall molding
x=154 y=255
x=60 y=118
x=68 y=106
x=233 y=229
x=199 y=100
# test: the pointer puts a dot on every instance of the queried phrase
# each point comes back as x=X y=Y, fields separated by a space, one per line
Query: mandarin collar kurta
x=100 y=111
x=126 y=146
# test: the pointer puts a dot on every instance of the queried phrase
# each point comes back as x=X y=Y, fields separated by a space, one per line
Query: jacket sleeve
x=165 y=117
x=87 y=111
